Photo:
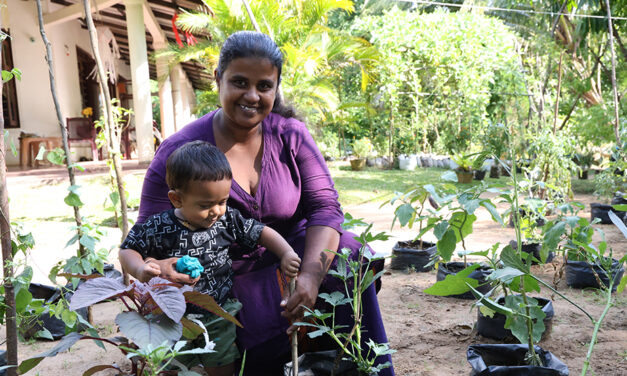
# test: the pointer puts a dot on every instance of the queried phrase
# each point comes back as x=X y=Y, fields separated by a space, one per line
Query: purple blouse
x=295 y=191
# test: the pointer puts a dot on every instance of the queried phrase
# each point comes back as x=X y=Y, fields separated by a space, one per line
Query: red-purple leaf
x=207 y=302
x=168 y=297
x=143 y=331
x=63 y=345
x=99 y=368
x=97 y=290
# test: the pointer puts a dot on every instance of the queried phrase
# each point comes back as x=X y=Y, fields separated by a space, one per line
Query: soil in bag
x=410 y=254
x=579 y=274
x=509 y=360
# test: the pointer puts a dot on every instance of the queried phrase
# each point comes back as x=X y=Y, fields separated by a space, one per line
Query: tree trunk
x=64 y=136
x=114 y=145
x=61 y=122
x=7 y=253
x=616 y=118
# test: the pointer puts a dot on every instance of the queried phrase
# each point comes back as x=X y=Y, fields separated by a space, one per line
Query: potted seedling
x=417 y=254
x=361 y=149
x=584 y=160
x=585 y=266
x=356 y=275
x=524 y=314
x=530 y=220
x=610 y=185
x=465 y=167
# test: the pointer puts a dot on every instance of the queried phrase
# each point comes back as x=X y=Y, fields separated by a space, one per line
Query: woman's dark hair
x=196 y=160
x=243 y=44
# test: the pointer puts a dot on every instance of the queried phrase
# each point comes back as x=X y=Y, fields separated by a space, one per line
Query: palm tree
x=313 y=52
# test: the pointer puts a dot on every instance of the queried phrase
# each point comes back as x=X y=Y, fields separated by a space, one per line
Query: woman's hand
x=305 y=294
x=168 y=271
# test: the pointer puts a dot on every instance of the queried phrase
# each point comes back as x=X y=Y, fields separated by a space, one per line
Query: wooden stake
x=294 y=337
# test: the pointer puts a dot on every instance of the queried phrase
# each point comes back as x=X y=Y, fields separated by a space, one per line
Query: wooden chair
x=82 y=129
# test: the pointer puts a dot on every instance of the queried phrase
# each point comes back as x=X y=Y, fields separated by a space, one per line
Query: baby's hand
x=149 y=270
x=290 y=264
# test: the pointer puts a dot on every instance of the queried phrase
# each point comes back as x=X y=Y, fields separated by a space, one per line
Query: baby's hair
x=196 y=160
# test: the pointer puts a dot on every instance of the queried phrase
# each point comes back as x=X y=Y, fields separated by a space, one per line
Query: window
x=9 y=92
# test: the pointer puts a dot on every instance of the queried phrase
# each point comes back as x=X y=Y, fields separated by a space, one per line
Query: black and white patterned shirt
x=163 y=236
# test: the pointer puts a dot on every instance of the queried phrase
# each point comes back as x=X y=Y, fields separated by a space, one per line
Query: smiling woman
x=281 y=180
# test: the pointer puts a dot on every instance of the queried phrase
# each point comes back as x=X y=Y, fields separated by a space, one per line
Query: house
x=136 y=28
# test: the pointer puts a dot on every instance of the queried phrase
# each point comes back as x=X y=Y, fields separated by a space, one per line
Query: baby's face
x=204 y=202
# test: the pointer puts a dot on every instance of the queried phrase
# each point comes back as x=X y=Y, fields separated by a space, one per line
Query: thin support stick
x=294 y=337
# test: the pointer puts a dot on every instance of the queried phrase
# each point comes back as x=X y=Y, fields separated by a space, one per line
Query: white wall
x=35 y=104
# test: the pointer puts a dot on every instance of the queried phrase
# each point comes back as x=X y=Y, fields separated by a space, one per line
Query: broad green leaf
x=463 y=223
x=454 y=284
x=620 y=207
x=510 y=258
x=404 y=213
x=446 y=246
x=72 y=199
x=22 y=300
x=56 y=156
x=493 y=212
x=148 y=331
x=88 y=242
x=553 y=236
x=517 y=322
x=440 y=229
x=17 y=73
x=505 y=275
x=44 y=333
x=191 y=330
x=530 y=284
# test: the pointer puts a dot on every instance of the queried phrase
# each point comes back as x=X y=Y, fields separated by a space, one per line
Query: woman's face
x=247 y=90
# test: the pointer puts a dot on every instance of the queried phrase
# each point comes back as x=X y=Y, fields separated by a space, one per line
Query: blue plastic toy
x=189 y=265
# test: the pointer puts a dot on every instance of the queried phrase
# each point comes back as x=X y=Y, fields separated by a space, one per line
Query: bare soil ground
x=431 y=334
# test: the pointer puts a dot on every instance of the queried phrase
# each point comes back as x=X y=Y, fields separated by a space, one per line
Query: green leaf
x=22 y=300
x=517 y=322
x=491 y=304
x=454 y=284
x=620 y=207
x=493 y=212
x=510 y=258
x=72 y=199
x=335 y=298
x=404 y=213
x=505 y=275
x=446 y=246
x=440 y=229
x=44 y=333
x=6 y=76
x=553 y=236
x=621 y=284
x=56 y=156
x=88 y=242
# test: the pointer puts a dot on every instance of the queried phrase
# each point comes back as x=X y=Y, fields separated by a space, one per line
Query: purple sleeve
x=319 y=199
